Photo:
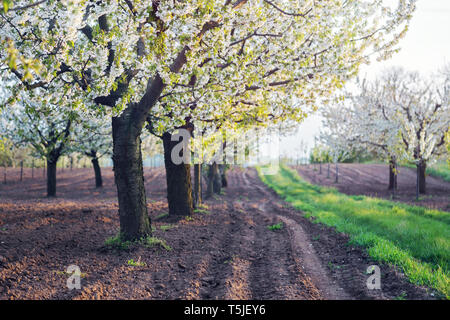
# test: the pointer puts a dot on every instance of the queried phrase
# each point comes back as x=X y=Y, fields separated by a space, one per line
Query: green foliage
x=151 y=242
x=6 y=5
x=439 y=169
x=320 y=154
x=414 y=238
x=118 y=243
x=162 y=215
x=275 y=227
x=137 y=263
x=166 y=227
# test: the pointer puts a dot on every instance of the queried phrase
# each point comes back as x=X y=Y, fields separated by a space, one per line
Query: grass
x=151 y=242
x=65 y=273
x=118 y=243
x=166 y=227
x=274 y=227
x=438 y=169
x=162 y=215
x=414 y=238
x=137 y=263
x=203 y=211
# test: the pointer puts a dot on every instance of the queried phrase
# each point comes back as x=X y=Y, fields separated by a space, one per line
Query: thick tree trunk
x=178 y=176
x=98 y=173
x=51 y=177
x=421 y=171
x=392 y=174
x=197 y=185
x=129 y=179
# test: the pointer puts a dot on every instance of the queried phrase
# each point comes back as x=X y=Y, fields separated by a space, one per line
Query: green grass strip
x=414 y=238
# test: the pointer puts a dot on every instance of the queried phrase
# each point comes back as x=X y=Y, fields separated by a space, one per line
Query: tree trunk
x=51 y=177
x=217 y=180
x=223 y=175
x=210 y=182
x=392 y=174
x=337 y=174
x=129 y=179
x=98 y=173
x=197 y=185
x=421 y=170
x=178 y=176
x=214 y=180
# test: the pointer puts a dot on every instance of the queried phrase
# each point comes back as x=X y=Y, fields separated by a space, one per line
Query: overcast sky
x=425 y=48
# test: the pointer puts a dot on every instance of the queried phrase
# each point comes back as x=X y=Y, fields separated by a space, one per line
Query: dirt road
x=227 y=252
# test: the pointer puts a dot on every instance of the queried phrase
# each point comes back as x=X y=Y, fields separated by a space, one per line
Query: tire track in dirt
x=275 y=271
x=226 y=276
x=336 y=268
x=314 y=277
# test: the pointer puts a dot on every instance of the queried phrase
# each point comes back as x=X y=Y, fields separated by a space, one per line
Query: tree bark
x=392 y=174
x=51 y=177
x=98 y=173
x=129 y=178
x=197 y=185
x=214 y=180
x=337 y=174
x=178 y=176
x=217 y=180
x=421 y=171
x=223 y=175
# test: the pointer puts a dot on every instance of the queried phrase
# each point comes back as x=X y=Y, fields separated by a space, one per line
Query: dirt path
x=227 y=252
x=372 y=180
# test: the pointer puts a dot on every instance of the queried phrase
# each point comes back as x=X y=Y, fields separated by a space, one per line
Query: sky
x=425 y=48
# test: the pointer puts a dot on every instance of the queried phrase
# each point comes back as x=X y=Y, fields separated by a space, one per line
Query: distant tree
x=43 y=126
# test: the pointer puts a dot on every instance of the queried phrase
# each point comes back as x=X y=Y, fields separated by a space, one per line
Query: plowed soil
x=373 y=180
x=225 y=252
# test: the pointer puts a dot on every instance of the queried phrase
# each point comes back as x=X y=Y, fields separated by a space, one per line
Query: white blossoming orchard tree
x=366 y=122
x=335 y=140
x=94 y=140
x=422 y=112
x=401 y=115
x=183 y=61
x=43 y=125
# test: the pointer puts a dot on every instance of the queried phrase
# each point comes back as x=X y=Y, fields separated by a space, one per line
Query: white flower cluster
x=242 y=62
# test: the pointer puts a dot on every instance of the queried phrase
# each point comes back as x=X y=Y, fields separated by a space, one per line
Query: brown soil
x=373 y=180
x=225 y=253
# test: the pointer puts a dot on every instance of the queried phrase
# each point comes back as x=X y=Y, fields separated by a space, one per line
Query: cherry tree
x=42 y=124
x=335 y=139
x=423 y=115
x=133 y=58
x=93 y=139
x=402 y=115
